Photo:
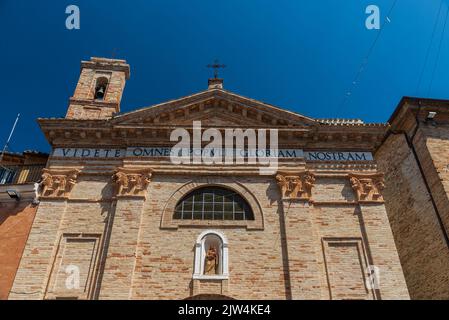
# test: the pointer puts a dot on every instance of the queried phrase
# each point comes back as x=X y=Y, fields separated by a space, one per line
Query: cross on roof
x=216 y=65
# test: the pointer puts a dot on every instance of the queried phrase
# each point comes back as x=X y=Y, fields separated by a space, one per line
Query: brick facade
x=414 y=158
x=295 y=256
x=350 y=217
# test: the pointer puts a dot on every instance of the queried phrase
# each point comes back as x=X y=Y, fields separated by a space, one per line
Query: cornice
x=94 y=133
x=217 y=94
x=418 y=107
x=107 y=65
x=216 y=108
x=94 y=103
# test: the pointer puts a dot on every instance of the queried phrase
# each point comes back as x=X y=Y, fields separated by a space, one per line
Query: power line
x=10 y=135
x=429 y=47
x=8 y=141
x=439 y=51
x=366 y=58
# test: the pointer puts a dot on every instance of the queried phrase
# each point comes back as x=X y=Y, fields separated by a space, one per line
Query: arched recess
x=204 y=241
x=167 y=221
x=101 y=86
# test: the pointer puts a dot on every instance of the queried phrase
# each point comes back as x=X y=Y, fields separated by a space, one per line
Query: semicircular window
x=213 y=203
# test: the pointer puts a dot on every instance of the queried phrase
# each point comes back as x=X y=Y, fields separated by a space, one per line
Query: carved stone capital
x=367 y=187
x=58 y=183
x=296 y=185
x=132 y=182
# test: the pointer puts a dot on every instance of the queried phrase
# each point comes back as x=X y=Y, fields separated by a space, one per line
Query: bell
x=99 y=94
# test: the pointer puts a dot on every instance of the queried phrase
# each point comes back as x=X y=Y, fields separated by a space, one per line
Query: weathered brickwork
x=83 y=104
x=432 y=143
x=414 y=159
x=318 y=228
x=146 y=262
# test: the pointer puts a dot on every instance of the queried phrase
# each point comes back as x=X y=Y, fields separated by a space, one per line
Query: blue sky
x=298 y=55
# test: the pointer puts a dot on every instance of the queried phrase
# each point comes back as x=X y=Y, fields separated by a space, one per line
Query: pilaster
x=131 y=189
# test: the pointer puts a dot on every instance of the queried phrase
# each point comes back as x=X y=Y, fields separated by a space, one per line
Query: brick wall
x=421 y=245
x=432 y=145
x=303 y=251
x=83 y=217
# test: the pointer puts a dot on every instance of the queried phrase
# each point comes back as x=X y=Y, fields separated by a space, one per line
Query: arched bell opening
x=100 y=88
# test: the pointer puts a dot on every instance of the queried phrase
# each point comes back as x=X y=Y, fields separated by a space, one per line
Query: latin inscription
x=337 y=156
x=157 y=152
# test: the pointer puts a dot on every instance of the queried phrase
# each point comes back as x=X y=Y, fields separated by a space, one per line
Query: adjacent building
x=415 y=160
x=349 y=209
x=19 y=174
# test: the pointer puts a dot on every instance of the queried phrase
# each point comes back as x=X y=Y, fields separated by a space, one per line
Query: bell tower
x=99 y=89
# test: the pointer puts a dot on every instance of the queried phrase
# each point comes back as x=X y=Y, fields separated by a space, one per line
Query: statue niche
x=211 y=256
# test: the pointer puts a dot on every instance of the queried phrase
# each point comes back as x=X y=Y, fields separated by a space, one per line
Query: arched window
x=213 y=203
x=100 y=88
x=211 y=256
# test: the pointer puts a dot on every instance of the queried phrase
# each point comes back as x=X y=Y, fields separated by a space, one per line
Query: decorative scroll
x=132 y=182
x=367 y=187
x=296 y=185
x=58 y=183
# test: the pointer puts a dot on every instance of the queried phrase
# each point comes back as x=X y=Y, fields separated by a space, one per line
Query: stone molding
x=200 y=250
x=367 y=187
x=339 y=165
x=167 y=221
x=58 y=183
x=297 y=185
x=213 y=284
x=104 y=64
x=52 y=291
x=154 y=124
x=130 y=182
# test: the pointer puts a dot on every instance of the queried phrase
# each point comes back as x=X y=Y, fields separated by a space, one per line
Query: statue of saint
x=211 y=263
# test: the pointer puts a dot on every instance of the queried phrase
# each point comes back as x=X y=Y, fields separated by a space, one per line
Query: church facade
x=338 y=218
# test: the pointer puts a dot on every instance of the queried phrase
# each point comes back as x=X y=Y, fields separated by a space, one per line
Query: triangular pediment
x=217 y=108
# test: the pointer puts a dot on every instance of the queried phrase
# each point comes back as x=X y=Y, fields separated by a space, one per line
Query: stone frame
x=358 y=242
x=50 y=292
x=220 y=282
x=167 y=221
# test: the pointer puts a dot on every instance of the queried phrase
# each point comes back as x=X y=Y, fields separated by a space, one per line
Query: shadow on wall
x=274 y=196
x=347 y=192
